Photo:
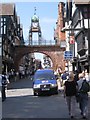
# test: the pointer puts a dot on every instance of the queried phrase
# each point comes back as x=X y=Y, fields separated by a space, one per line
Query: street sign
x=68 y=55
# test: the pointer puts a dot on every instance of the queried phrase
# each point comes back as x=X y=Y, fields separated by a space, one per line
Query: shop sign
x=68 y=55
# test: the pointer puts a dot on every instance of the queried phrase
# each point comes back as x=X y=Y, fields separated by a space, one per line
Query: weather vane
x=35 y=10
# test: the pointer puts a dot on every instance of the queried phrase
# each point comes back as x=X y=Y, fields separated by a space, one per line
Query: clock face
x=35 y=25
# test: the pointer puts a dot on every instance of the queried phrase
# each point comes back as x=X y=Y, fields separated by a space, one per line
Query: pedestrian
x=83 y=97
x=70 y=94
x=87 y=76
x=5 y=81
x=76 y=75
x=64 y=76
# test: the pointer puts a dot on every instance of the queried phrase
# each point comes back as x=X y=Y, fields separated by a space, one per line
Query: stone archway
x=57 y=58
x=55 y=54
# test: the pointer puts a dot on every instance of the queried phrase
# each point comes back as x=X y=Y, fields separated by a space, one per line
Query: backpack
x=85 y=87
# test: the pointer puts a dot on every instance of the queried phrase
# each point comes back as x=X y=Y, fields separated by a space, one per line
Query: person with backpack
x=83 y=89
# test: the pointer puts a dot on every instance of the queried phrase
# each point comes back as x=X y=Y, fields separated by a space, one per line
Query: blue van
x=44 y=81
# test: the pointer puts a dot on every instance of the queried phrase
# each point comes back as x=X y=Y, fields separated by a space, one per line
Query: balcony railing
x=43 y=42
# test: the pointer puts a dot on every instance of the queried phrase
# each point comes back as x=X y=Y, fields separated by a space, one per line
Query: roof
x=7 y=8
x=35 y=18
x=82 y=1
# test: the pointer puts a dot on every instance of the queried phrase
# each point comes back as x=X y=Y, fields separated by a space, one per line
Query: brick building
x=59 y=36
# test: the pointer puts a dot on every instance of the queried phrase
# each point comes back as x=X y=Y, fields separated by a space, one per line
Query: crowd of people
x=14 y=76
x=72 y=84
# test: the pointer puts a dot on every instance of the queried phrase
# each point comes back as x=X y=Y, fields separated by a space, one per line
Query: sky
x=47 y=13
x=46 y=10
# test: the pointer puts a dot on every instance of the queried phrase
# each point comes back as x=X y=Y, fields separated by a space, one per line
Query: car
x=44 y=81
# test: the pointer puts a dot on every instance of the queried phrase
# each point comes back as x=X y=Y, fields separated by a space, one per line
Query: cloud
x=48 y=20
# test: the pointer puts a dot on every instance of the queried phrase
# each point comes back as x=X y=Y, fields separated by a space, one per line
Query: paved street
x=21 y=103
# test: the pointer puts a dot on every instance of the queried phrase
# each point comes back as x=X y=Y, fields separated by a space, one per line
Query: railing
x=43 y=42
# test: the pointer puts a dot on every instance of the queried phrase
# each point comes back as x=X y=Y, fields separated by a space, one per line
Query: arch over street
x=53 y=51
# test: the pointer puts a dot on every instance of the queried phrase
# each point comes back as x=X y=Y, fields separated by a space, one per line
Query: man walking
x=83 y=97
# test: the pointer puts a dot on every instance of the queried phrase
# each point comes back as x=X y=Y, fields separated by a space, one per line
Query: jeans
x=3 y=93
x=83 y=103
x=71 y=101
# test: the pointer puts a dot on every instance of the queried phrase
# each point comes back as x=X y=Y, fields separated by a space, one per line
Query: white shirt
x=87 y=77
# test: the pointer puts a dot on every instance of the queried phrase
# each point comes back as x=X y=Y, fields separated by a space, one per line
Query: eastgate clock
x=35 y=25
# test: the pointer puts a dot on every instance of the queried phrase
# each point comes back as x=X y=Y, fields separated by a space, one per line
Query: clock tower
x=34 y=28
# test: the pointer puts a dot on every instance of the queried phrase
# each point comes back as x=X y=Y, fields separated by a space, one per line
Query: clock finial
x=35 y=10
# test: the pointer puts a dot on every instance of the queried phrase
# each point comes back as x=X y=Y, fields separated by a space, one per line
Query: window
x=3 y=26
x=80 y=41
x=4 y=19
x=4 y=29
x=76 y=17
x=0 y=40
x=86 y=11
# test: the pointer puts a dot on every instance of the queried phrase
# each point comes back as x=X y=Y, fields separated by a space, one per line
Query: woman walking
x=70 y=94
